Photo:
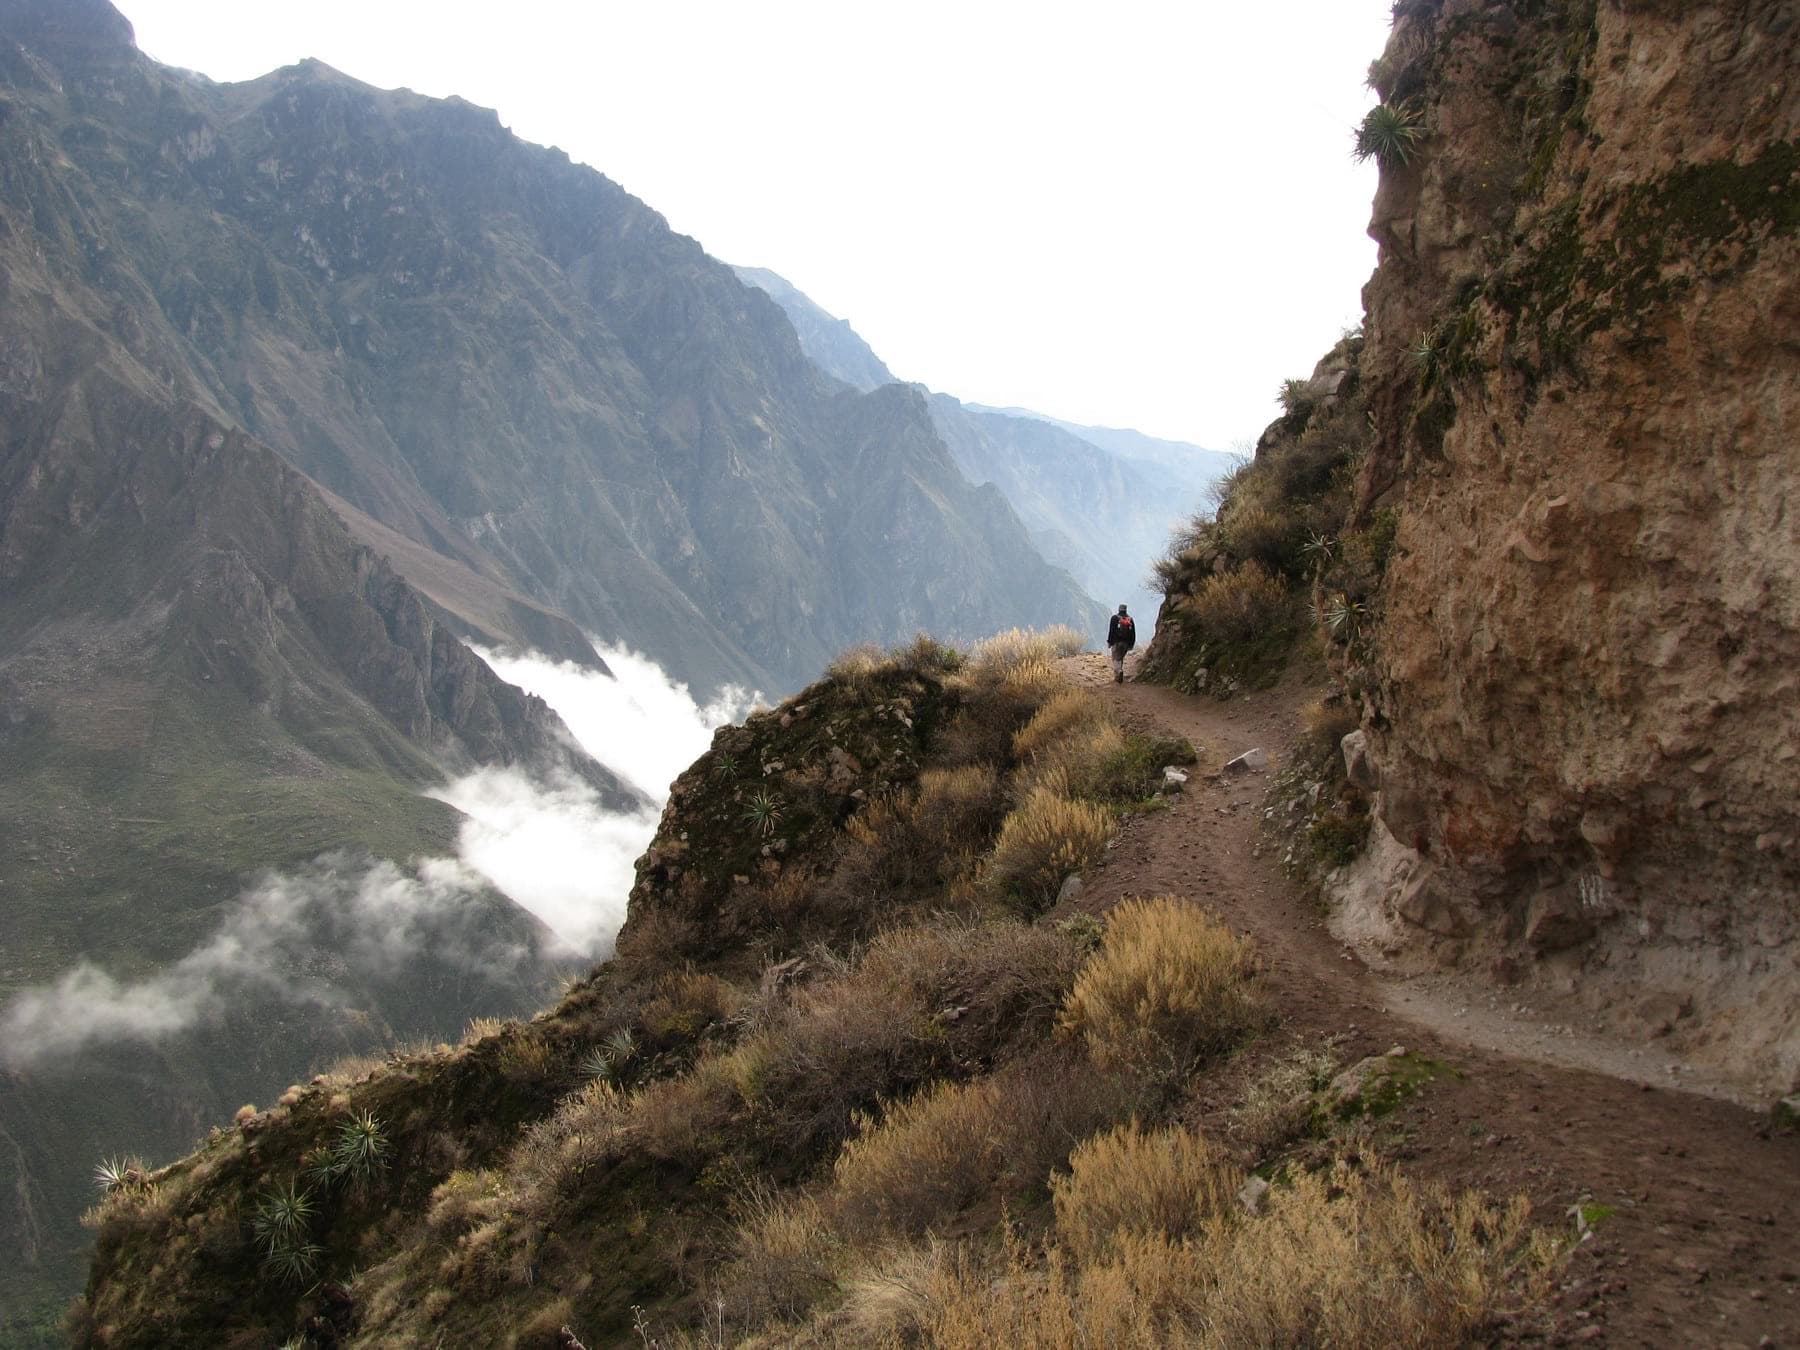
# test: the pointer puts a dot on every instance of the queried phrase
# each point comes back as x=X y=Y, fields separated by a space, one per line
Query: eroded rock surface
x=1583 y=361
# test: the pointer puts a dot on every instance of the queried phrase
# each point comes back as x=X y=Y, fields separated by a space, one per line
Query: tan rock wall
x=1584 y=361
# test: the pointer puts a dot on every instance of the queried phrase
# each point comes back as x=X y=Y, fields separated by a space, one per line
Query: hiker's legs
x=1118 y=662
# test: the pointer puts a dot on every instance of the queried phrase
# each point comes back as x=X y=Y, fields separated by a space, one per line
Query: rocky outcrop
x=1584 y=373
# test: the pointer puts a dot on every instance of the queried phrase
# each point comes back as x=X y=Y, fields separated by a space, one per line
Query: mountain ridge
x=1102 y=508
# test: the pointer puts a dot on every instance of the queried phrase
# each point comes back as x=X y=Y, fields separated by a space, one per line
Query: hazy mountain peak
x=85 y=24
x=830 y=342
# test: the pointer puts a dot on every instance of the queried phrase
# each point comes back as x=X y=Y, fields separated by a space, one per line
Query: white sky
x=1138 y=212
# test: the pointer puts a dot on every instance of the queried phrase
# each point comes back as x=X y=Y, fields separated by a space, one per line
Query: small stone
x=1357 y=766
x=1254 y=760
x=1253 y=1195
x=1174 y=779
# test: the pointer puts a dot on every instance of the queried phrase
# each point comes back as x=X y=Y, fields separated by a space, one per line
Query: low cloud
x=552 y=848
x=299 y=938
x=639 y=723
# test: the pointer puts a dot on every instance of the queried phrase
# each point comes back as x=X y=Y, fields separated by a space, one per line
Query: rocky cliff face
x=1583 y=363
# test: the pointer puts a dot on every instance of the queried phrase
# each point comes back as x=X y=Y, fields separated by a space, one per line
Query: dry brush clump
x=926 y=1162
x=1004 y=681
x=1045 y=839
x=1170 y=985
x=1238 y=605
x=1130 y=1182
x=1350 y=1257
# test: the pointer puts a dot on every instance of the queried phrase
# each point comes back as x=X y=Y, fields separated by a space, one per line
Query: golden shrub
x=1346 y=1259
x=925 y=1158
x=1042 y=841
x=1078 y=765
x=1127 y=1181
x=1066 y=713
x=934 y=1156
x=1169 y=984
x=686 y=1002
x=686 y=1118
x=1241 y=604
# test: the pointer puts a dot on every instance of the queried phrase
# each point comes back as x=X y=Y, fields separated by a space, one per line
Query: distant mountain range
x=1099 y=501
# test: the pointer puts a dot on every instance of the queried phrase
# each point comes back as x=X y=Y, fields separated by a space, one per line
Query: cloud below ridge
x=551 y=847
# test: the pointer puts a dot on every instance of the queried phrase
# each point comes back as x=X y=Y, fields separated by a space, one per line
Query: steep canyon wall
x=1583 y=367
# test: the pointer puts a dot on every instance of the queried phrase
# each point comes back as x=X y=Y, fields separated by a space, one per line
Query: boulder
x=1358 y=767
x=1425 y=904
x=1253 y=1195
x=1554 y=921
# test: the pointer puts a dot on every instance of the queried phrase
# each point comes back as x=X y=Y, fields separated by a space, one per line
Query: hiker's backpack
x=1127 y=630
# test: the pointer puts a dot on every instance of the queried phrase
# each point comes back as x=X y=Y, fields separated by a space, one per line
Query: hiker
x=1121 y=637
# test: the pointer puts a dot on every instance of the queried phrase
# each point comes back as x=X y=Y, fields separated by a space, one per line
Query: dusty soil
x=1702 y=1247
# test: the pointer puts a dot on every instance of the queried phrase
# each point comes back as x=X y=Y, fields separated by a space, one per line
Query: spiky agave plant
x=764 y=811
x=1390 y=134
x=361 y=1147
x=116 y=1174
x=294 y=1264
x=607 y=1061
x=282 y=1217
x=597 y=1063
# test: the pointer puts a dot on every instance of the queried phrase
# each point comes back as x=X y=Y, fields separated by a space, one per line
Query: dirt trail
x=1702 y=1247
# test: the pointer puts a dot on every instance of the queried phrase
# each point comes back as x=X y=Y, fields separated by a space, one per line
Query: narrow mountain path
x=1701 y=1247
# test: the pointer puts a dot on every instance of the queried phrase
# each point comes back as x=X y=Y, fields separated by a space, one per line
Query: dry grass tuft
x=686 y=1002
x=956 y=806
x=1241 y=604
x=859 y=664
x=1345 y=1259
x=1047 y=837
x=955 y=1145
x=1170 y=985
x=1328 y=723
x=783 y=1256
x=1068 y=712
x=1131 y=1183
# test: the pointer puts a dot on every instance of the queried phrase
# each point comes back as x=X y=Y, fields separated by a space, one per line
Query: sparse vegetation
x=1390 y=134
x=1239 y=583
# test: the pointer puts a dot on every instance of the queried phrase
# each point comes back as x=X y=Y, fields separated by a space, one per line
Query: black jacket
x=1128 y=636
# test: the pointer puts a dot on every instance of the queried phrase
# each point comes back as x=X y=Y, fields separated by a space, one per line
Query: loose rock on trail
x=1698 y=1243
